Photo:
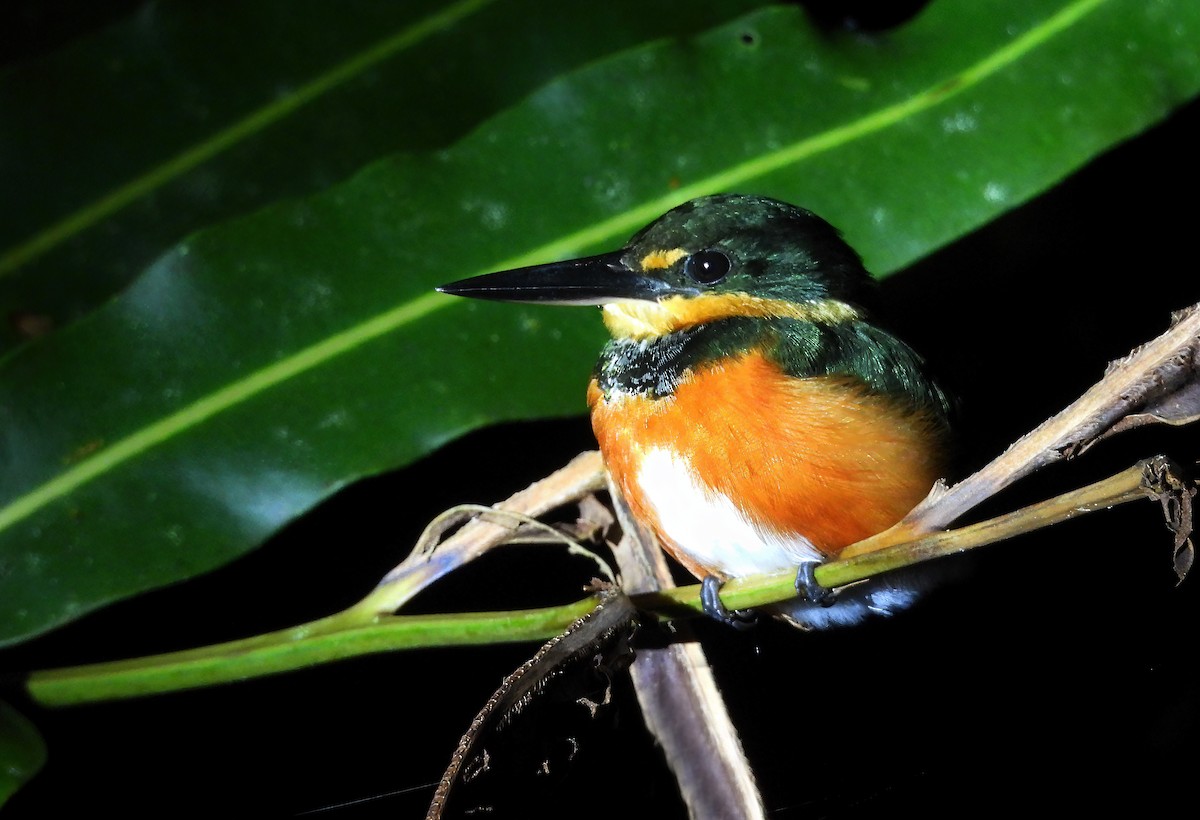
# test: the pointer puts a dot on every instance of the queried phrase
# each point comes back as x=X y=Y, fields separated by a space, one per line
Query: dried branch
x=586 y=638
x=680 y=701
x=432 y=558
x=1157 y=479
x=1152 y=379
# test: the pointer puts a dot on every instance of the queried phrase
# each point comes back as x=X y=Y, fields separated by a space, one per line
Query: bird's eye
x=707 y=267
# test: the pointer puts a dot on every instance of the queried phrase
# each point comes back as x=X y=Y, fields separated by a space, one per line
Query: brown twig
x=1155 y=478
x=680 y=701
x=432 y=558
x=1152 y=372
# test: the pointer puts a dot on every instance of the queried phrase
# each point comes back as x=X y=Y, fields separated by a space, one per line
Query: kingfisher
x=749 y=408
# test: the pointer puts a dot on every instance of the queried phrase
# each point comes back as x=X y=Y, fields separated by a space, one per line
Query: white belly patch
x=708 y=528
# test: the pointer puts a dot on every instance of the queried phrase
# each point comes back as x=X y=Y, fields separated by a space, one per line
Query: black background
x=1059 y=676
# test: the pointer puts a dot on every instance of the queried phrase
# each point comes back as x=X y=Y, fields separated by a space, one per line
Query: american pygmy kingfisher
x=749 y=410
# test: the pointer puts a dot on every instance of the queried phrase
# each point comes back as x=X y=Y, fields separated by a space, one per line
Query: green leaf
x=193 y=112
x=22 y=752
x=262 y=364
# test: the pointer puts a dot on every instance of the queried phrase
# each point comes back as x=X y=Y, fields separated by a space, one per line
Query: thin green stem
x=322 y=641
x=356 y=632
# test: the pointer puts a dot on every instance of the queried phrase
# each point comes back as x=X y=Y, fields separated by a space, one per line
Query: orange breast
x=817 y=458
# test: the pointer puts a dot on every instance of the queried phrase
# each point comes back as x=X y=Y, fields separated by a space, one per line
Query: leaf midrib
x=619 y=224
x=258 y=120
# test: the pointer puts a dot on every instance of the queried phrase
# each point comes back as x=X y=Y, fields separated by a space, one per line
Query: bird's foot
x=710 y=599
x=809 y=589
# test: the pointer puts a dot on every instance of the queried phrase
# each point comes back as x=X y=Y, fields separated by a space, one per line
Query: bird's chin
x=637 y=319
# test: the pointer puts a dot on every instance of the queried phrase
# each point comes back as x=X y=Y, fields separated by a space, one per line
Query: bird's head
x=708 y=259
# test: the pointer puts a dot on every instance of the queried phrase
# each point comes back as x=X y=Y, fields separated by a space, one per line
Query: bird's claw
x=809 y=589
x=710 y=599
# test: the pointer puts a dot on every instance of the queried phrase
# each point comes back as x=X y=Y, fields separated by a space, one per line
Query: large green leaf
x=260 y=365
x=190 y=112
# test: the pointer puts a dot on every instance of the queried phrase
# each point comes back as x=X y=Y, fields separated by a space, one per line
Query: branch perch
x=1149 y=378
x=1156 y=381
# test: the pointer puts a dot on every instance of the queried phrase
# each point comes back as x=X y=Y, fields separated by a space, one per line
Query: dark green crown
x=775 y=250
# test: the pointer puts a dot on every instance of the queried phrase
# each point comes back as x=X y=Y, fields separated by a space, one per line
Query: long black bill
x=592 y=280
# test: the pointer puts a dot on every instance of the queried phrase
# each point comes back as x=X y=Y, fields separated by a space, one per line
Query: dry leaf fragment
x=1165 y=484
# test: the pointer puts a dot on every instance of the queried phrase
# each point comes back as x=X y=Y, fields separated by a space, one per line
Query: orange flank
x=817 y=458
